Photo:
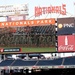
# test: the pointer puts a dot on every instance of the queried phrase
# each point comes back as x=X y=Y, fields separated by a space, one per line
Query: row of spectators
x=27 y=40
x=33 y=36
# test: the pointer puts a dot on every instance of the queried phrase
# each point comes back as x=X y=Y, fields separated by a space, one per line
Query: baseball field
x=39 y=49
x=31 y=49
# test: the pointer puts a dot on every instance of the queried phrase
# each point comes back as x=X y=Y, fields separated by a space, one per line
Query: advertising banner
x=10 y=50
x=35 y=22
x=66 y=43
x=65 y=26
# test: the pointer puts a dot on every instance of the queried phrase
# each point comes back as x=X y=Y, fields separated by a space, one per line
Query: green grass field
x=39 y=49
x=33 y=49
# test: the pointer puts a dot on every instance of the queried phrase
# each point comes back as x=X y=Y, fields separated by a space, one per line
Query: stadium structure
x=37 y=33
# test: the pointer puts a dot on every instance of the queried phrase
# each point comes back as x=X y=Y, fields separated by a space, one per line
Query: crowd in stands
x=28 y=36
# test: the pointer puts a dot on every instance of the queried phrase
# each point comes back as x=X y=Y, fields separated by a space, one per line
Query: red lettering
x=50 y=9
x=44 y=10
x=36 y=11
x=57 y=9
x=53 y=9
x=40 y=11
x=63 y=9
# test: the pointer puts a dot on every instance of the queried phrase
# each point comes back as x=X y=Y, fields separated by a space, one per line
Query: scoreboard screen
x=38 y=35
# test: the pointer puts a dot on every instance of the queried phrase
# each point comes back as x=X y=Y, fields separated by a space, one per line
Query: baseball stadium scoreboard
x=61 y=34
x=39 y=32
x=18 y=32
x=28 y=33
